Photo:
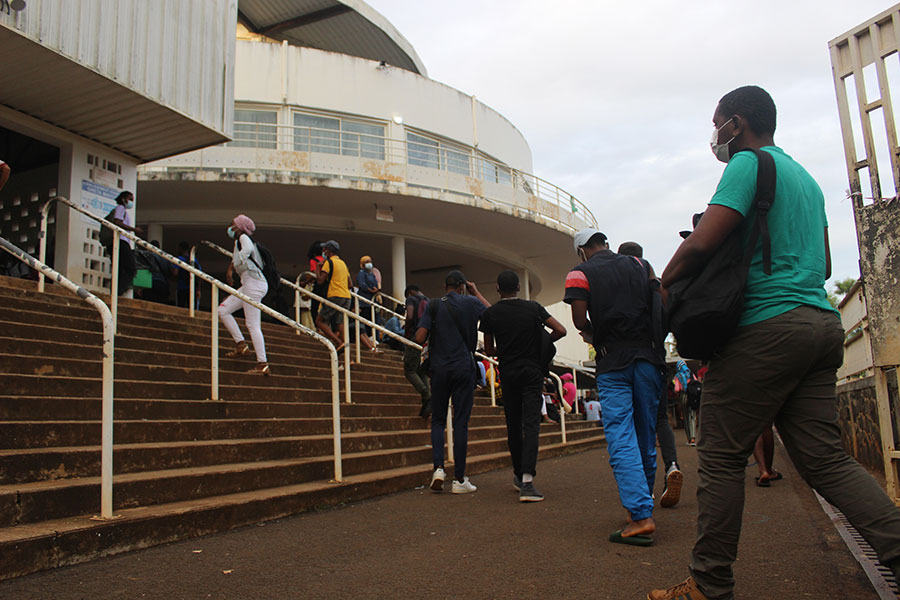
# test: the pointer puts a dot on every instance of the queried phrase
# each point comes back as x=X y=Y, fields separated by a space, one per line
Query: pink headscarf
x=566 y=377
x=245 y=224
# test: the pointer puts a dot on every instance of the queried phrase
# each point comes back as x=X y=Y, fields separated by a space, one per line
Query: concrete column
x=155 y=232
x=398 y=265
x=526 y=285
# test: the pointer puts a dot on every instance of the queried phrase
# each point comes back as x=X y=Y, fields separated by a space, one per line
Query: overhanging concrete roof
x=346 y=26
x=45 y=84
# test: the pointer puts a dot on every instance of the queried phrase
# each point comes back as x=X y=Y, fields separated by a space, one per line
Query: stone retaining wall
x=858 y=419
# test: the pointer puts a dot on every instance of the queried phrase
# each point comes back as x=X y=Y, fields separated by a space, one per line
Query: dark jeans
x=665 y=435
x=415 y=373
x=782 y=369
x=127 y=267
x=522 y=405
x=460 y=385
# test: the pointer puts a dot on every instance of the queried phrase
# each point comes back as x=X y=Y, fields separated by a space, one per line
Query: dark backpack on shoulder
x=106 y=234
x=269 y=270
x=705 y=308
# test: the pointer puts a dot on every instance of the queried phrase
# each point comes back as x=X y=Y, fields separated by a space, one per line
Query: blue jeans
x=629 y=399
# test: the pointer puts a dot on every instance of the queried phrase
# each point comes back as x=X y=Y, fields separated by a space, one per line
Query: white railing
x=420 y=152
x=348 y=314
x=562 y=406
x=106 y=425
x=216 y=286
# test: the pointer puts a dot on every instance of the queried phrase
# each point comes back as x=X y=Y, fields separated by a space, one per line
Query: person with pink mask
x=247 y=263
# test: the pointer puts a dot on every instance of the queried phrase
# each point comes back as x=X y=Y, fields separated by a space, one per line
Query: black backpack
x=269 y=270
x=705 y=308
x=106 y=234
x=694 y=392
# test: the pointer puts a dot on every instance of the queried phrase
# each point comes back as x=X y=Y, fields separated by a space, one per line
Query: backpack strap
x=764 y=199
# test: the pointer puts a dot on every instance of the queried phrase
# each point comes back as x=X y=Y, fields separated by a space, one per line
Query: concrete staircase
x=184 y=465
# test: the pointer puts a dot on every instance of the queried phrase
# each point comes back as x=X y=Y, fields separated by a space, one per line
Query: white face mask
x=368 y=266
x=720 y=151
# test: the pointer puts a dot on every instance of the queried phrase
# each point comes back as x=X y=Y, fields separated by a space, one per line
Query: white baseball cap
x=585 y=235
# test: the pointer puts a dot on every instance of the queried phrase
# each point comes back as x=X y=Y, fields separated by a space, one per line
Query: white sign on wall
x=97 y=200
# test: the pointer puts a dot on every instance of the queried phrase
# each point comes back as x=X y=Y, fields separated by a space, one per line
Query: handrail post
x=214 y=367
x=358 y=338
x=106 y=432
x=191 y=294
x=493 y=385
x=450 y=434
x=114 y=282
x=575 y=383
x=297 y=302
x=347 y=359
x=562 y=412
x=336 y=413
x=42 y=244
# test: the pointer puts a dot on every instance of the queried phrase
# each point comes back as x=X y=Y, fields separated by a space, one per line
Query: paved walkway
x=418 y=544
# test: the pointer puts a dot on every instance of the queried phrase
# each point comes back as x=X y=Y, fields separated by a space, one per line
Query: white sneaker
x=437 y=480
x=465 y=487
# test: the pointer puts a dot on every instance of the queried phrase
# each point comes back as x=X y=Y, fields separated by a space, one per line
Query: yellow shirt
x=338 y=287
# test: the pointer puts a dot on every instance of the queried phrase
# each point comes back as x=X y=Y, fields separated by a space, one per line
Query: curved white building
x=338 y=133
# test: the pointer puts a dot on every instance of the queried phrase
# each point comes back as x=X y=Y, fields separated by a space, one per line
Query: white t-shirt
x=123 y=215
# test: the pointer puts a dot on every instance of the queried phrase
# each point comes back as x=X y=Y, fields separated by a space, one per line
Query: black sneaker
x=517 y=482
x=529 y=493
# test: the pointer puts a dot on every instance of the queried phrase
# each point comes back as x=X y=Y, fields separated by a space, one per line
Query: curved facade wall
x=288 y=75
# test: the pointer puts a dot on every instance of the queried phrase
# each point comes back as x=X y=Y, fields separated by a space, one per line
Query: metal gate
x=864 y=61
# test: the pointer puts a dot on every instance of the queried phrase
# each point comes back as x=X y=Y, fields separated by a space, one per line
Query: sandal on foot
x=260 y=368
x=763 y=482
x=616 y=537
x=776 y=475
x=240 y=348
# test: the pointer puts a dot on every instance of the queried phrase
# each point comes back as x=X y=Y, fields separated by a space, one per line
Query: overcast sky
x=616 y=98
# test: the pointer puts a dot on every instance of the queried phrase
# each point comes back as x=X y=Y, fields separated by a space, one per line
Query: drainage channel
x=881 y=577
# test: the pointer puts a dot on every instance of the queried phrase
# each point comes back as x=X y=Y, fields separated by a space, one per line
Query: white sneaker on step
x=437 y=480
x=464 y=487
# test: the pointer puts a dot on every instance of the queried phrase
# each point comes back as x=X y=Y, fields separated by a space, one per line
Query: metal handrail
x=216 y=286
x=348 y=314
x=106 y=411
x=562 y=412
x=430 y=154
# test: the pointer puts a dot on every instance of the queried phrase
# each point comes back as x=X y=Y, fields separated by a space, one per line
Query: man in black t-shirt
x=416 y=302
x=515 y=325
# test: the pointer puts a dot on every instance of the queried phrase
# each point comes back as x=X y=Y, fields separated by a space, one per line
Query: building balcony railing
x=419 y=161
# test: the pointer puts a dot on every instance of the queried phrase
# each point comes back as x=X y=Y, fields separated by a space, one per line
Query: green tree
x=842 y=287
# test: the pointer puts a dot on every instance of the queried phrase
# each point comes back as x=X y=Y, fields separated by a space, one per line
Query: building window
x=362 y=139
x=317 y=134
x=332 y=135
x=421 y=151
x=426 y=152
x=255 y=128
x=492 y=171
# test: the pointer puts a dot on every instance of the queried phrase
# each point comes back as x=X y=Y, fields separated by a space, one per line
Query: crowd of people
x=777 y=371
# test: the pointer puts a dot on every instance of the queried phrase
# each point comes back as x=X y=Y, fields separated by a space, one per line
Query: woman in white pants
x=247 y=263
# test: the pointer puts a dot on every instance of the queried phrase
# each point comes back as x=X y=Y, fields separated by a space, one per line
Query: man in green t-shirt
x=781 y=363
